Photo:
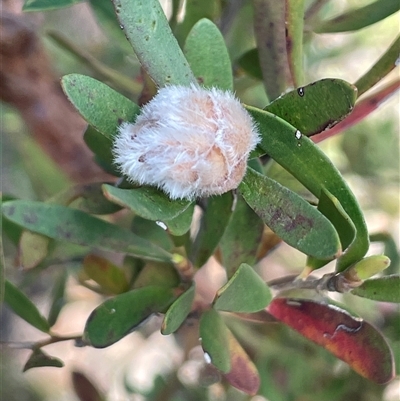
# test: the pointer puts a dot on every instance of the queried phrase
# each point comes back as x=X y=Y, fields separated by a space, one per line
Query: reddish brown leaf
x=361 y=110
x=351 y=339
x=243 y=375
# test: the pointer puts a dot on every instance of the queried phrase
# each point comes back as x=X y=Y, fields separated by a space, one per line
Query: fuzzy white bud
x=188 y=141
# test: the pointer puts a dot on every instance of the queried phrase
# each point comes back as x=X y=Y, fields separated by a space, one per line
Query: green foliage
x=147 y=259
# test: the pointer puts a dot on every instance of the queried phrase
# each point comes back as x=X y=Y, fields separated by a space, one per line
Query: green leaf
x=214 y=337
x=147 y=29
x=360 y=17
x=315 y=107
x=46 y=5
x=242 y=237
x=39 y=359
x=250 y=63
x=102 y=107
x=85 y=389
x=245 y=292
x=306 y=162
x=366 y=268
x=118 y=316
x=180 y=224
x=65 y=224
x=155 y=273
x=32 y=249
x=147 y=202
x=2 y=275
x=380 y=69
x=208 y=56
x=294 y=38
x=212 y=227
x=290 y=216
x=24 y=308
x=57 y=297
x=383 y=289
x=351 y=339
x=330 y=207
x=110 y=277
x=270 y=33
x=178 y=311
x=390 y=250
x=243 y=374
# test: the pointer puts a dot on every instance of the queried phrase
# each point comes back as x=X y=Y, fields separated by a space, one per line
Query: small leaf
x=367 y=267
x=32 y=249
x=242 y=236
x=212 y=226
x=380 y=69
x=65 y=224
x=243 y=374
x=118 y=316
x=383 y=289
x=246 y=291
x=315 y=107
x=359 y=18
x=351 y=339
x=250 y=63
x=148 y=31
x=147 y=202
x=330 y=207
x=57 y=297
x=178 y=311
x=180 y=224
x=290 y=216
x=46 y=5
x=102 y=107
x=24 y=308
x=155 y=273
x=84 y=388
x=39 y=359
x=390 y=250
x=110 y=277
x=214 y=337
x=315 y=171
x=208 y=56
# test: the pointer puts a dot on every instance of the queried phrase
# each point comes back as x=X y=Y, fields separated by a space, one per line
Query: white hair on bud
x=188 y=141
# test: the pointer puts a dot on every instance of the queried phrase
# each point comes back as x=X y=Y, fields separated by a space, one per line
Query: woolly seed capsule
x=188 y=141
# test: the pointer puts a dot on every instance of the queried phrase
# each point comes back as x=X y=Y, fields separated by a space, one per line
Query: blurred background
x=43 y=152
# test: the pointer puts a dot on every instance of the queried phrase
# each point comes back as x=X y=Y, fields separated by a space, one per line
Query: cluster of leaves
x=161 y=257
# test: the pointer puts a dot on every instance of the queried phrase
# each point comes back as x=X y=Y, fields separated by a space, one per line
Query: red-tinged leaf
x=351 y=339
x=361 y=110
x=243 y=374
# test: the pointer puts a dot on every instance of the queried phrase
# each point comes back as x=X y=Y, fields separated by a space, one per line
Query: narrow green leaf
x=180 y=224
x=330 y=207
x=57 y=297
x=390 y=250
x=290 y=216
x=367 y=267
x=270 y=33
x=147 y=202
x=212 y=227
x=245 y=292
x=242 y=237
x=383 y=289
x=208 y=56
x=294 y=38
x=386 y=63
x=24 y=307
x=147 y=29
x=46 y=5
x=65 y=224
x=360 y=18
x=39 y=359
x=101 y=106
x=306 y=162
x=156 y=273
x=110 y=277
x=178 y=311
x=214 y=337
x=316 y=107
x=118 y=316
x=351 y=339
x=250 y=63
